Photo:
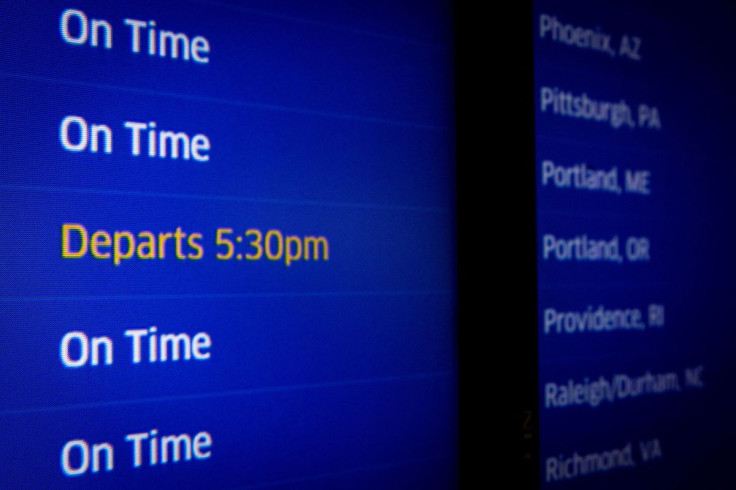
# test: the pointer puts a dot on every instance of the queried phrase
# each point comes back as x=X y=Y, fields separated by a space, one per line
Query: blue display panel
x=634 y=158
x=228 y=254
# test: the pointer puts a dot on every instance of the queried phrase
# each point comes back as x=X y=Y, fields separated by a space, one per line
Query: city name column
x=633 y=275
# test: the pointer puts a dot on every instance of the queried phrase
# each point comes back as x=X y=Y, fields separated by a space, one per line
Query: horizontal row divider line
x=225 y=393
x=221 y=101
x=296 y=294
x=255 y=200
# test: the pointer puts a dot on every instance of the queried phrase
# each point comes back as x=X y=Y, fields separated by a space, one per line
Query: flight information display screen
x=634 y=122
x=228 y=245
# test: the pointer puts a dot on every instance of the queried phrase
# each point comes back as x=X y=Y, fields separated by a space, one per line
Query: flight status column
x=228 y=246
x=635 y=211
